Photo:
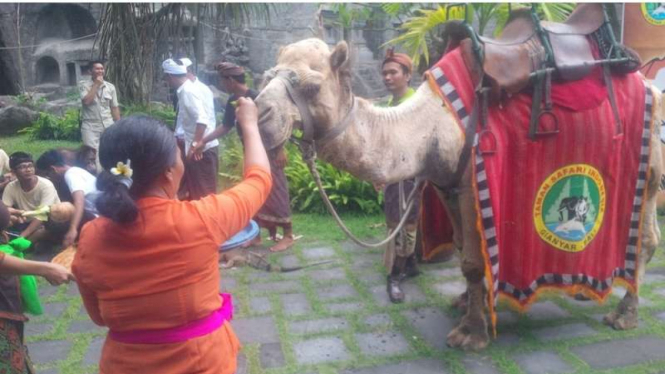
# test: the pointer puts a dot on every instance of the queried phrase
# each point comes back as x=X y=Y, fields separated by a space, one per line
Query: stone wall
x=9 y=75
x=256 y=46
x=48 y=57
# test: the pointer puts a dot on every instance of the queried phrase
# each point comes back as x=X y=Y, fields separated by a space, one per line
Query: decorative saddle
x=528 y=46
x=531 y=53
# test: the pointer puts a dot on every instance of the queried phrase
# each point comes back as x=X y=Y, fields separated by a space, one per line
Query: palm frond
x=417 y=32
x=556 y=12
x=392 y=9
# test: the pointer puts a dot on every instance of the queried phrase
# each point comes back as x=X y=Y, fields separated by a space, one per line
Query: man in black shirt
x=276 y=211
x=232 y=78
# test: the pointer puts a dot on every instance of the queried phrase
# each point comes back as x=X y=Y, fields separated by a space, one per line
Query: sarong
x=201 y=176
x=13 y=353
x=277 y=208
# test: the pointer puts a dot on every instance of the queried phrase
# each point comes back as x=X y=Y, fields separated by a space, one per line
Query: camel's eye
x=269 y=75
x=310 y=90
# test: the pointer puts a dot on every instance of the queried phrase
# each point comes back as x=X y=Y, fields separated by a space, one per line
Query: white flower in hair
x=122 y=169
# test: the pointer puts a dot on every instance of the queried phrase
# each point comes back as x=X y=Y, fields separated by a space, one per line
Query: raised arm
x=228 y=212
x=248 y=119
x=88 y=97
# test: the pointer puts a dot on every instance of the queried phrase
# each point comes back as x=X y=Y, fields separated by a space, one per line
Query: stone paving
x=337 y=319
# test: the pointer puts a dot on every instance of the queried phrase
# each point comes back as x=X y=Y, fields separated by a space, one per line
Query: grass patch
x=23 y=143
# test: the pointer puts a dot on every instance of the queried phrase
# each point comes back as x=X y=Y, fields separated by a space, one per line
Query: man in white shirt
x=196 y=117
x=179 y=130
x=82 y=186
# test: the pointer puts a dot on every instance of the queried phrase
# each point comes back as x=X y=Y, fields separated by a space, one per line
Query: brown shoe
x=395 y=292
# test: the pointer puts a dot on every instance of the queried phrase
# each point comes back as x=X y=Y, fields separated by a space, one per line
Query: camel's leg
x=471 y=333
x=625 y=316
x=452 y=206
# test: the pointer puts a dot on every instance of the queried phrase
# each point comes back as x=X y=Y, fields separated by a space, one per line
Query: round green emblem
x=654 y=13
x=569 y=207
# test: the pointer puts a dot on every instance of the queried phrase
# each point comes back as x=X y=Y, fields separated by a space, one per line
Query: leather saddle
x=510 y=61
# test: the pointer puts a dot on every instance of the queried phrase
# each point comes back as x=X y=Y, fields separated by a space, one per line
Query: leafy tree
x=135 y=37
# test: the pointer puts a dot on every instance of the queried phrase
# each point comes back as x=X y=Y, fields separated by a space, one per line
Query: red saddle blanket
x=562 y=211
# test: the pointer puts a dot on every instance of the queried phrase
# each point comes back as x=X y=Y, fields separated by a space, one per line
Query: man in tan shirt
x=100 y=105
x=28 y=192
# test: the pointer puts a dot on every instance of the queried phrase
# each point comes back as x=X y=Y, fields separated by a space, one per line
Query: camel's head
x=310 y=73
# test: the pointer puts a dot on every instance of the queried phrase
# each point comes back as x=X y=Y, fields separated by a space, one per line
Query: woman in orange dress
x=148 y=267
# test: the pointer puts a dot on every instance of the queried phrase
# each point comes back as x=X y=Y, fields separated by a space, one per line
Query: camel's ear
x=339 y=60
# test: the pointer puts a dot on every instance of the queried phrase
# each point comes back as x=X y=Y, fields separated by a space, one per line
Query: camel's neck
x=385 y=145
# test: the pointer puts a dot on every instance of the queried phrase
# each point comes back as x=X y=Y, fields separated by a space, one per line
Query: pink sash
x=194 y=329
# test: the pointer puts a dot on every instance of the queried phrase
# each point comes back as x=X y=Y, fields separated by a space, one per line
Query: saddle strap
x=618 y=130
x=535 y=104
x=469 y=136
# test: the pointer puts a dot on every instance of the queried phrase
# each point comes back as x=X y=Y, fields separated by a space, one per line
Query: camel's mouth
x=274 y=126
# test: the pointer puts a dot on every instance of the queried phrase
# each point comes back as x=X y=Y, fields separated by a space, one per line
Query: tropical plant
x=348 y=14
x=73 y=95
x=50 y=127
x=347 y=193
x=28 y=99
x=162 y=112
x=231 y=159
x=421 y=33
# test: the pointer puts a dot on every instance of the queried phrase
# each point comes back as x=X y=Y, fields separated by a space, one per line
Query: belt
x=191 y=330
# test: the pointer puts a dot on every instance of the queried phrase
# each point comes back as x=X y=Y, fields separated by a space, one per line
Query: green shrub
x=27 y=99
x=230 y=159
x=347 y=193
x=73 y=95
x=164 y=113
x=50 y=127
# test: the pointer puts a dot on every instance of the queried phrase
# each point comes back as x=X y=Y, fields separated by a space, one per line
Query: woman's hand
x=56 y=274
x=247 y=114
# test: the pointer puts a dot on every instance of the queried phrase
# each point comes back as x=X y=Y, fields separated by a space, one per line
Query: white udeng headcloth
x=185 y=61
x=170 y=67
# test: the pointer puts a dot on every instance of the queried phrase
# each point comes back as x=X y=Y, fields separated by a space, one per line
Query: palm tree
x=421 y=32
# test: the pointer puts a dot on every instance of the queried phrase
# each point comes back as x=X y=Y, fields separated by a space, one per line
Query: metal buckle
x=490 y=135
x=550 y=132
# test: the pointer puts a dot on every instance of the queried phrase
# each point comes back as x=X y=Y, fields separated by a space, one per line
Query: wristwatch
x=195 y=144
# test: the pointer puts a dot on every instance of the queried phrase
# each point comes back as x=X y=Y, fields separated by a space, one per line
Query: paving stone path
x=337 y=319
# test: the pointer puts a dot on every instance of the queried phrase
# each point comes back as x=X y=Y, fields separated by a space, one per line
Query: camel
x=419 y=138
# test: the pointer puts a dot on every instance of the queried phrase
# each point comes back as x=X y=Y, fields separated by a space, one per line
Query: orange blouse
x=161 y=272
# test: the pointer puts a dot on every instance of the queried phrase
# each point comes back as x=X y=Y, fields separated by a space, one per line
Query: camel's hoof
x=461 y=337
x=581 y=297
x=619 y=321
